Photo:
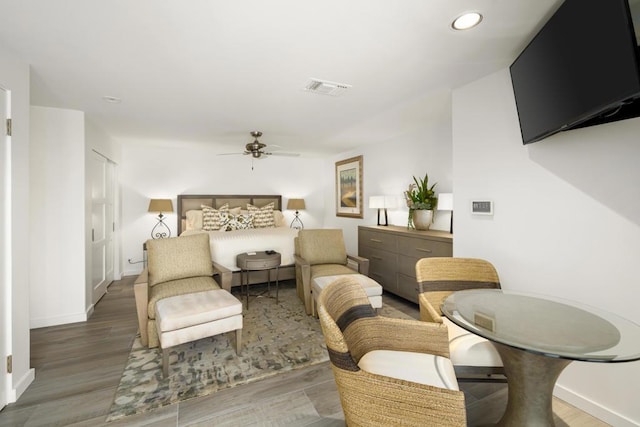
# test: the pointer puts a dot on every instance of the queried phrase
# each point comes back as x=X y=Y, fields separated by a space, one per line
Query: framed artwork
x=349 y=187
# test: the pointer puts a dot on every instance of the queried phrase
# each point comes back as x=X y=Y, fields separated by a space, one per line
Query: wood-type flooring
x=78 y=368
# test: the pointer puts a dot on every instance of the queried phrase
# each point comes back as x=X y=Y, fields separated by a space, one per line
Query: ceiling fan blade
x=282 y=153
x=229 y=154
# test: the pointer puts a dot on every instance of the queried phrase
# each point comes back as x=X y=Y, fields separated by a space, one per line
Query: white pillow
x=279 y=219
x=193 y=220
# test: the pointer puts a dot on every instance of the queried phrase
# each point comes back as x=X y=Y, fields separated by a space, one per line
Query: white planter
x=422 y=219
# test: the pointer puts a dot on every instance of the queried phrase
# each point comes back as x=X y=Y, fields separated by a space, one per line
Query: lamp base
x=158 y=231
x=297 y=222
x=386 y=222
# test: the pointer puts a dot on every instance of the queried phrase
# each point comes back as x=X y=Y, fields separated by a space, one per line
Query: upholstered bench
x=372 y=288
x=189 y=317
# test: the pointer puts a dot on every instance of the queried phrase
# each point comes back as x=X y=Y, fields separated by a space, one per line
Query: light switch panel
x=482 y=207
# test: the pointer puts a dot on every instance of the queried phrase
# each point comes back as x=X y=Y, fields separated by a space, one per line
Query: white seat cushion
x=183 y=311
x=468 y=349
x=376 y=301
x=202 y=330
x=409 y=366
x=372 y=288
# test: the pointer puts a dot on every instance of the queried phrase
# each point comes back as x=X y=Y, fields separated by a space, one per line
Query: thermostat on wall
x=482 y=207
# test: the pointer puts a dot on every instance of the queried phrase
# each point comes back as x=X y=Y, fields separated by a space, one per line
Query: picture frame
x=349 y=188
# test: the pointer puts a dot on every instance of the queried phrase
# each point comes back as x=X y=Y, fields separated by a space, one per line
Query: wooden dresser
x=393 y=252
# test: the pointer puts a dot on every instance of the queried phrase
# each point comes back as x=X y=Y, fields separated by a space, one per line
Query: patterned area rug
x=275 y=338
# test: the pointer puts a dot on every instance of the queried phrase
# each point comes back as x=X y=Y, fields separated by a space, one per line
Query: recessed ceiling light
x=112 y=99
x=466 y=20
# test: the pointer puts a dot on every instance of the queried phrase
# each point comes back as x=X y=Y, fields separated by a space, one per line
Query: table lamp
x=160 y=205
x=382 y=203
x=297 y=205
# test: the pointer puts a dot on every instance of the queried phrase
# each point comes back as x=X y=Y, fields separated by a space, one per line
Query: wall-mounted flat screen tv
x=581 y=69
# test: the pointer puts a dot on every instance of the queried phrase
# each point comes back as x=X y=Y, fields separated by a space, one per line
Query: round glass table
x=537 y=337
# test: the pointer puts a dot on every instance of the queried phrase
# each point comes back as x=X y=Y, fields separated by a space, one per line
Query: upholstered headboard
x=188 y=202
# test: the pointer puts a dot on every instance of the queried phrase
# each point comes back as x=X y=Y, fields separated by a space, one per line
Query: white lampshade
x=445 y=201
x=391 y=202
x=382 y=202
x=376 y=202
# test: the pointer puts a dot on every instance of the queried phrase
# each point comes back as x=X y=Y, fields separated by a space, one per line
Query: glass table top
x=545 y=325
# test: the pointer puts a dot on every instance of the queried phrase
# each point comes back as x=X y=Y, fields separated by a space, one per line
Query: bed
x=228 y=236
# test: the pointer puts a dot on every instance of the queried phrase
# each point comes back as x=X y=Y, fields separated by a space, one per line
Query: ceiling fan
x=256 y=148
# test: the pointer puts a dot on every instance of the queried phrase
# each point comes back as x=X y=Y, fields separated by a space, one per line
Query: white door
x=102 y=224
x=5 y=303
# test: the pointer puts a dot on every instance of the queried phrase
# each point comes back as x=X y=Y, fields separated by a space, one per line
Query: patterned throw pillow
x=211 y=217
x=225 y=218
x=262 y=217
x=229 y=222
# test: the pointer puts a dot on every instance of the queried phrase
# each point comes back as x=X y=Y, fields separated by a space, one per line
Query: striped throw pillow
x=262 y=217
x=211 y=218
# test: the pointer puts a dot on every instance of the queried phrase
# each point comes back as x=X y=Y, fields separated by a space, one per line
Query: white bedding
x=225 y=246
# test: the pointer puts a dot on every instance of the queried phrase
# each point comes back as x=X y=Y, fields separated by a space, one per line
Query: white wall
x=566 y=222
x=61 y=144
x=418 y=147
x=164 y=171
x=58 y=290
x=15 y=78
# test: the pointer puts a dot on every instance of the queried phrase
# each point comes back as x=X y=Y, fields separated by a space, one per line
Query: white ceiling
x=210 y=71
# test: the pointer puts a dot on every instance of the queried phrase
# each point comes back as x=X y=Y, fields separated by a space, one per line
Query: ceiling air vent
x=324 y=87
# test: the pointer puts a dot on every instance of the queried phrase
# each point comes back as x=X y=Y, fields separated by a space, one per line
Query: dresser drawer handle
x=376 y=240
x=379 y=258
x=376 y=274
x=424 y=250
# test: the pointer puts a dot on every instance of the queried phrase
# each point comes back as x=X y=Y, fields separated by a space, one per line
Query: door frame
x=5 y=250
x=108 y=203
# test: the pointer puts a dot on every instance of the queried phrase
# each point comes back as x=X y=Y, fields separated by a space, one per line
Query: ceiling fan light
x=256 y=149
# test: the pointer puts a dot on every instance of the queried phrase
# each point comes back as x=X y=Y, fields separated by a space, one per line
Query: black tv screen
x=582 y=68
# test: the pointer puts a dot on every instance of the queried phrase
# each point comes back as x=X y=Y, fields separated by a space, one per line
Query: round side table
x=256 y=261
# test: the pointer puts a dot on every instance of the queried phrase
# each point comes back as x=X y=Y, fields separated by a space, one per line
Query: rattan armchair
x=474 y=358
x=388 y=371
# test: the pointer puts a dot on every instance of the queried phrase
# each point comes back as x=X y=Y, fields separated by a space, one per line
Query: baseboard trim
x=44 y=322
x=593 y=408
x=89 y=311
x=21 y=386
x=132 y=272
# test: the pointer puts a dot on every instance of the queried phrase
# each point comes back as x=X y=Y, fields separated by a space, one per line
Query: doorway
x=102 y=224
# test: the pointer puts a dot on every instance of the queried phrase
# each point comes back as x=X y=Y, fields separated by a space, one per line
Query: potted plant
x=421 y=201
